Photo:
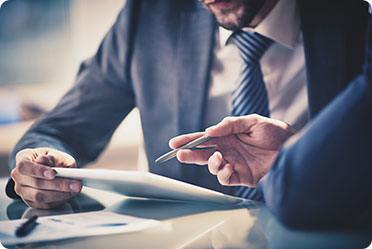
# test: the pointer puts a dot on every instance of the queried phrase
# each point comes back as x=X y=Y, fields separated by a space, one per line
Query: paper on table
x=72 y=226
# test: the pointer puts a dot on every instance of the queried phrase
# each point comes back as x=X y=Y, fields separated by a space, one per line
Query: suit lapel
x=194 y=59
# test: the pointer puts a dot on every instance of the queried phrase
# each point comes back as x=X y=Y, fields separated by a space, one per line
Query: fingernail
x=75 y=187
x=48 y=174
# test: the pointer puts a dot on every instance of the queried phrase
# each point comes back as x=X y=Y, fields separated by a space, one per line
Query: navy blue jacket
x=323 y=177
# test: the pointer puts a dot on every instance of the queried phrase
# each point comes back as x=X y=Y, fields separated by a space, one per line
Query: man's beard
x=243 y=19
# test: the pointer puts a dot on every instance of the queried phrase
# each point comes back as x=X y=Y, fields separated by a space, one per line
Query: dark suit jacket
x=158 y=56
x=324 y=177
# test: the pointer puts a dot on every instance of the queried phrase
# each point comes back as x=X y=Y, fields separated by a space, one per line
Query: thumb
x=46 y=160
x=55 y=158
x=233 y=125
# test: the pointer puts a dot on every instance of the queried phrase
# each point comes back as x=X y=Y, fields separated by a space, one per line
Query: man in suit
x=172 y=61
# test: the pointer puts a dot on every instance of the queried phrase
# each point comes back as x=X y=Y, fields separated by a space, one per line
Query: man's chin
x=230 y=25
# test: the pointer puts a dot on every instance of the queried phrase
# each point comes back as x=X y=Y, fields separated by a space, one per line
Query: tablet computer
x=145 y=184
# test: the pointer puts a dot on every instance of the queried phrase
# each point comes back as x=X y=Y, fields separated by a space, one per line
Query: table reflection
x=81 y=203
x=188 y=225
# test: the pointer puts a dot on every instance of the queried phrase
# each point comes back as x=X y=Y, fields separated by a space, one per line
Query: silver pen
x=191 y=145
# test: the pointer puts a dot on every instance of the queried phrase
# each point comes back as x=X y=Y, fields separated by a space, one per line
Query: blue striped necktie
x=250 y=94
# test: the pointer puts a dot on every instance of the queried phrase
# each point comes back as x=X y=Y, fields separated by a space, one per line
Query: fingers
x=199 y=157
x=57 y=184
x=214 y=163
x=44 y=193
x=46 y=160
x=61 y=159
x=233 y=125
x=39 y=205
x=35 y=163
x=35 y=180
x=43 y=198
x=218 y=167
x=225 y=174
x=214 y=159
x=47 y=156
x=184 y=139
x=29 y=168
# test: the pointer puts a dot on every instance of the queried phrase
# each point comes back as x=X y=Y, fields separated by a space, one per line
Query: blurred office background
x=42 y=43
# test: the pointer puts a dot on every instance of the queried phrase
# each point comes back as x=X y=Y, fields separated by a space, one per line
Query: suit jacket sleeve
x=322 y=177
x=84 y=120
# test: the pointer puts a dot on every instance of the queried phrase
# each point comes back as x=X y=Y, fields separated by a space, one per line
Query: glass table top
x=185 y=225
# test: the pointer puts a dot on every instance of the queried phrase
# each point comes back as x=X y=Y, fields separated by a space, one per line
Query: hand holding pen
x=244 y=148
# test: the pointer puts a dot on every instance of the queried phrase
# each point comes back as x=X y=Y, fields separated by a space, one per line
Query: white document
x=73 y=225
x=144 y=184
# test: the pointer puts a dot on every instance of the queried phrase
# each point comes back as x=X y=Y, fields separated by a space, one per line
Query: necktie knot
x=249 y=95
x=252 y=46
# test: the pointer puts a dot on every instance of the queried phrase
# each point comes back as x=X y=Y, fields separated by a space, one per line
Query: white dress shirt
x=283 y=69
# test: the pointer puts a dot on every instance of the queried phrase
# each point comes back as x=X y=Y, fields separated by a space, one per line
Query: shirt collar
x=280 y=25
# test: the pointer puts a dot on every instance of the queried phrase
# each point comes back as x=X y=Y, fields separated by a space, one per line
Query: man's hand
x=35 y=181
x=246 y=147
